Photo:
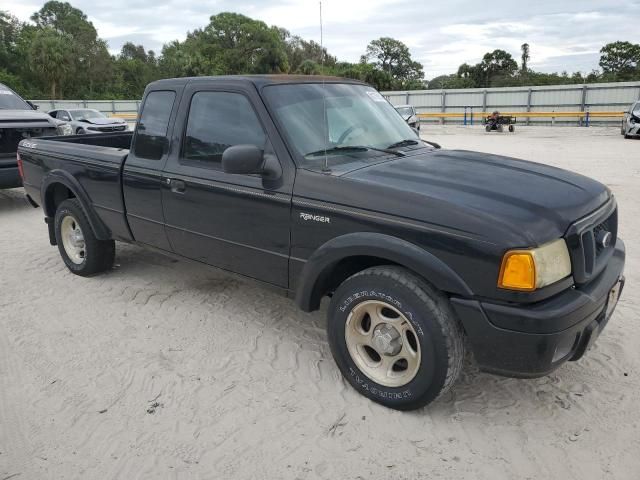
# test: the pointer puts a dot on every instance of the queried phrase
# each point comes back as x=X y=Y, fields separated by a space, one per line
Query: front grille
x=591 y=242
x=112 y=128
x=23 y=120
x=10 y=137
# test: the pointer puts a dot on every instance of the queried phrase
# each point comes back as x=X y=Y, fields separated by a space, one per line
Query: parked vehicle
x=317 y=187
x=19 y=120
x=87 y=120
x=408 y=113
x=631 y=121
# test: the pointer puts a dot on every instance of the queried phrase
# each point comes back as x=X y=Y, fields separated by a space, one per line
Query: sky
x=562 y=34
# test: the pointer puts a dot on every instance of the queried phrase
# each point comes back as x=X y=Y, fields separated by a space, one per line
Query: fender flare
x=416 y=259
x=64 y=178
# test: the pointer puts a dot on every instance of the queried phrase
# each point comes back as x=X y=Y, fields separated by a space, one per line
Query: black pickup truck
x=318 y=187
x=19 y=120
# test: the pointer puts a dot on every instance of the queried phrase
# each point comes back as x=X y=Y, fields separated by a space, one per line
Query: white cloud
x=563 y=35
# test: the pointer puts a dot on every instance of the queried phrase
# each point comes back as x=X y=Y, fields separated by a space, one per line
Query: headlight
x=65 y=129
x=536 y=267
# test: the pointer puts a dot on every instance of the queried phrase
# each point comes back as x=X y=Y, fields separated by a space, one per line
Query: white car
x=408 y=113
x=631 y=121
x=87 y=120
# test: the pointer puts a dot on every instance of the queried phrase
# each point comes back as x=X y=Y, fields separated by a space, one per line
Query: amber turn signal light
x=518 y=271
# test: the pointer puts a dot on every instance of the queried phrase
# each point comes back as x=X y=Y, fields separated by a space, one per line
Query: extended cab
x=318 y=187
x=19 y=120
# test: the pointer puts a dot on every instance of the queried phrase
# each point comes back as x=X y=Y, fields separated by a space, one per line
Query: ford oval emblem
x=604 y=239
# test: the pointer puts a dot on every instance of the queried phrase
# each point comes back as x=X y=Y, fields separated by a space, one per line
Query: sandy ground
x=165 y=369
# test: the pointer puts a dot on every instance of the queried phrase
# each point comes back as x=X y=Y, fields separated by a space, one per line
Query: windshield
x=85 y=114
x=405 y=111
x=11 y=101
x=316 y=117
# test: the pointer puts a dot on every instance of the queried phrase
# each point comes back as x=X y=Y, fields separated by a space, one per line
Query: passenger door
x=236 y=222
x=142 y=173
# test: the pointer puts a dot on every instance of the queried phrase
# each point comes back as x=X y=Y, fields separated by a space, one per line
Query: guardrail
x=126 y=116
x=535 y=104
x=470 y=116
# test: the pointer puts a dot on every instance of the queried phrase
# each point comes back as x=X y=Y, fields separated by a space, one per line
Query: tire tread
x=102 y=252
x=449 y=323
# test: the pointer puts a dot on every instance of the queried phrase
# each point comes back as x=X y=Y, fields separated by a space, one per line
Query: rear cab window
x=151 y=140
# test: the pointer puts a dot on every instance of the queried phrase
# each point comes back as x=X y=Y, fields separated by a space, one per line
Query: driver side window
x=63 y=115
x=217 y=121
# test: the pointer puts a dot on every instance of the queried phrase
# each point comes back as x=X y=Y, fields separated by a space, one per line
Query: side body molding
x=66 y=179
x=317 y=270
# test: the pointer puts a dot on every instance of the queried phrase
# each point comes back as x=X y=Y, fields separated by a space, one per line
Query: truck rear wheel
x=394 y=337
x=81 y=251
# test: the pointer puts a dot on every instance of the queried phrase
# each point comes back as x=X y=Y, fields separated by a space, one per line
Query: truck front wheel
x=394 y=337
x=81 y=251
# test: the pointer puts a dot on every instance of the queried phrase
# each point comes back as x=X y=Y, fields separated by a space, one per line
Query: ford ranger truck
x=317 y=187
x=19 y=121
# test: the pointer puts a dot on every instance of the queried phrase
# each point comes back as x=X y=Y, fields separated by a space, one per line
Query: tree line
x=60 y=55
x=619 y=61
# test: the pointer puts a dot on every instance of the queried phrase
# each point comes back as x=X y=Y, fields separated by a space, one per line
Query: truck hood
x=24 y=118
x=492 y=196
x=103 y=121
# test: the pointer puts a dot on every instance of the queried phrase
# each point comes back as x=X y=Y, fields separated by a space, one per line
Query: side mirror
x=243 y=159
x=32 y=105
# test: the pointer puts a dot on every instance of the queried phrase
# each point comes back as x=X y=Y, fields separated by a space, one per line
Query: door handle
x=176 y=186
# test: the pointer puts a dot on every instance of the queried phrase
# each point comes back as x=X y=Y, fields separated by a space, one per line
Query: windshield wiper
x=354 y=148
x=404 y=143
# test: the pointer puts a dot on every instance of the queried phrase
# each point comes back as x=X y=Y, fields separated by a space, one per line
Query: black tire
x=439 y=335
x=487 y=128
x=80 y=131
x=512 y=128
x=98 y=255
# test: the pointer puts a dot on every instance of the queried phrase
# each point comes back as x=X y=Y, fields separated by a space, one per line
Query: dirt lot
x=165 y=369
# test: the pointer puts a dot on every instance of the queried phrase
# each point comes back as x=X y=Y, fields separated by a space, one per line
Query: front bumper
x=532 y=340
x=633 y=129
x=10 y=178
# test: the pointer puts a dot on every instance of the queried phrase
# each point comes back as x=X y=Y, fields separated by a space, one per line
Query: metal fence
x=597 y=103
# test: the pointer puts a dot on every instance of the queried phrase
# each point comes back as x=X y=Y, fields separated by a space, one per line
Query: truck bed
x=94 y=161
x=106 y=150
x=121 y=140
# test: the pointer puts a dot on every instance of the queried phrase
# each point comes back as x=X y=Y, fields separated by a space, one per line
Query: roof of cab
x=257 y=80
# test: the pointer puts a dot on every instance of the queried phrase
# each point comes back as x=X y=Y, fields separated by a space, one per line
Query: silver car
x=631 y=121
x=87 y=120
x=408 y=113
